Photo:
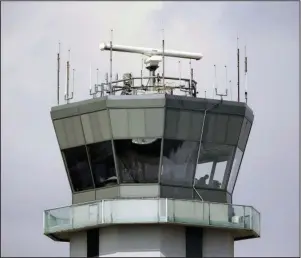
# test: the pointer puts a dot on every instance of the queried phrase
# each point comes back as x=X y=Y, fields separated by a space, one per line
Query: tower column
x=217 y=243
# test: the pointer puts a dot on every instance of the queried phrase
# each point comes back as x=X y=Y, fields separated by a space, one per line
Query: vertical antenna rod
x=111 y=53
x=58 y=74
x=141 y=72
x=226 y=76
x=214 y=83
x=73 y=81
x=163 y=61
x=246 y=71
x=238 y=90
x=230 y=86
x=190 y=80
x=68 y=68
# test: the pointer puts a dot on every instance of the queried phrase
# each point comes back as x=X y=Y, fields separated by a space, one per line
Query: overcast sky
x=32 y=172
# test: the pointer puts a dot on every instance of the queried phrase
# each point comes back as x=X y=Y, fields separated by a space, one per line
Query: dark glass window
x=179 y=160
x=234 y=170
x=213 y=166
x=93 y=242
x=79 y=169
x=138 y=160
x=102 y=163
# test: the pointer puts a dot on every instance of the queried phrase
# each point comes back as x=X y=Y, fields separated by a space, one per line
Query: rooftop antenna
x=230 y=86
x=58 y=74
x=191 y=74
x=67 y=96
x=246 y=71
x=90 y=84
x=180 y=73
x=238 y=90
x=73 y=78
x=163 y=61
x=97 y=72
x=111 y=54
x=226 y=70
x=141 y=72
x=214 y=82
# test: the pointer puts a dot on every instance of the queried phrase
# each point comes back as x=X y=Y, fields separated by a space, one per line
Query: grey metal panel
x=96 y=126
x=136 y=123
x=78 y=108
x=215 y=128
x=212 y=195
x=172 y=117
x=136 y=102
x=64 y=111
x=82 y=197
x=154 y=122
x=69 y=132
x=183 y=125
x=244 y=134
x=119 y=123
x=196 y=125
x=139 y=190
x=201 y=104
x=233 y=131
x=107 y=193
x=93 y=105
x=174 y=192
x=220 y=128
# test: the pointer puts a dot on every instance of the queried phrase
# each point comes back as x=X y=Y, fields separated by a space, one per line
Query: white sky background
x=32 y=172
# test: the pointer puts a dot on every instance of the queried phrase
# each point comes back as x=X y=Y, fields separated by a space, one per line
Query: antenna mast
x=67 y=97
x=163 y=62
x=58 y=74
x=238 y=90
x=111 y=54
x=246 y=71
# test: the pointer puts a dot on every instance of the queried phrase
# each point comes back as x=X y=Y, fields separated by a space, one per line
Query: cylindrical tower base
x=152 y=241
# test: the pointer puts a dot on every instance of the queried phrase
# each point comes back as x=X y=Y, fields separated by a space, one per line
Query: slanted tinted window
x=138 y=160
x=79 y=169
x=235 y=169
x=102 y=163
x=179 y=160
x=213 y=163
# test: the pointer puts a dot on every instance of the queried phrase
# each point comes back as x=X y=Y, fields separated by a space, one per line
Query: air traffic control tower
x=152 y=168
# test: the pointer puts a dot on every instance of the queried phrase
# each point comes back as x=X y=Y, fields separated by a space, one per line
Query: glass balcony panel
x=60 y=218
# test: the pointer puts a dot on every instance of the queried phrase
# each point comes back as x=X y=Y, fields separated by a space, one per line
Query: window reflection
x=213 y=164
x=178 y=162
x=138 y=160
x=102 y=163
x=79 y=169
x=235 y=169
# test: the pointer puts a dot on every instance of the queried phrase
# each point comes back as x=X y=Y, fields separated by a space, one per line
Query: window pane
x=213 y=164
x=78 y=166
x=138 y=160
x=179 y=159
x=219 y=172
x=235 y=169
x=102 y=163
